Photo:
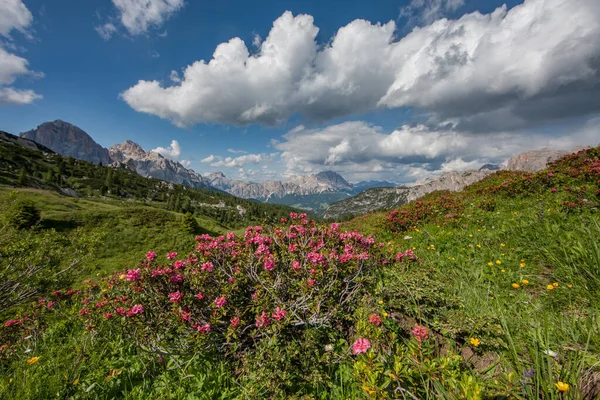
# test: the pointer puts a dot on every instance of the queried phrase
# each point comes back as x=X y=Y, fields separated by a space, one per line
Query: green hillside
x=488 y=293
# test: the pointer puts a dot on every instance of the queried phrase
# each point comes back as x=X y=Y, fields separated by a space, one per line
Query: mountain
x=27 y=164
x=386 y=198
x=310 y=192
x=68 y=140
x=154 y=165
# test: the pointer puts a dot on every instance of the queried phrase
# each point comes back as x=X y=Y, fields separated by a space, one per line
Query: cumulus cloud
x=14 y=15
x=237 y=162
x=139 y=16
x=173 y=151
x=539 y=54
x=186 y=163
x=361 y=151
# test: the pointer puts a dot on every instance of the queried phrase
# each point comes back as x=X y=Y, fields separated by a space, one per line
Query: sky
x=261 y=90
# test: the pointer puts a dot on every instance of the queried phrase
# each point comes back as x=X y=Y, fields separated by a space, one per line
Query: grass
x=509 y=293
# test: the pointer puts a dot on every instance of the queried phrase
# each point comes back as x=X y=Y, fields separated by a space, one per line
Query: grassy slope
x=461 y=290
x=128 y=229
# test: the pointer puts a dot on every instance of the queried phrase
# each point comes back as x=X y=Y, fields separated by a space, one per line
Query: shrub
x=23 y=214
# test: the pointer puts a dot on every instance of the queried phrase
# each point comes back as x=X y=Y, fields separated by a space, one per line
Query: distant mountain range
x=326 y=193
x=311 y=192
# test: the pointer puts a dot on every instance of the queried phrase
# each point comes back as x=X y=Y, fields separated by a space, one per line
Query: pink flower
x=361 y=345
x=375 y=319
x=296 y=265
x=135 y=310
x=177 y=278
x=12 y=322
x=50 y=304
x=262 y=320
x=199 y=296
x=420 y=333
x=186 y=316
x=175 y=297
x=335 y=227
x=235 y=321
x=133 y=275
x=269 y=264
x=179 y=264
x=201 y=328
x=311 y=282
x=279 y=314
x=207 y=266
x=172 y=256
x=120 y=311
x=108 y=315
x=553 y=190
x=220 y=301
x=230 y=236
x=150 y=255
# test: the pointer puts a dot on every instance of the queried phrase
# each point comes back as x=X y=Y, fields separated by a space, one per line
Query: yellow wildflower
x=570 y=286
x=515 y=286
x=502 y=245
x=550 y=286
x=502 y=270
x=525 y=282
x=76 y=381
x=475 y=342
x=32 y=360
x=522 y=265
x=10 y=380
x=452 y=258
x=555 y=284
x=490 y=263
x=470 y=235
x=498 y=262
x=562 y=386
x=122 y=276
x=385 y=314
x=479 y=246
x=380 y=302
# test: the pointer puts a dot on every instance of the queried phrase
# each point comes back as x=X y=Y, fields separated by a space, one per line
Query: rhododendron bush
x=231 y=292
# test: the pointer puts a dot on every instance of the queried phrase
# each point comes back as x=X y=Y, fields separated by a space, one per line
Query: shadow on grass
x=59 y=225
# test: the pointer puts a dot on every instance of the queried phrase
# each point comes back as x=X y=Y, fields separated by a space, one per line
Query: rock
x=534 y=160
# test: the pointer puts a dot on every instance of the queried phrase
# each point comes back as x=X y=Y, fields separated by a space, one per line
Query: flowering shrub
x=296 y=284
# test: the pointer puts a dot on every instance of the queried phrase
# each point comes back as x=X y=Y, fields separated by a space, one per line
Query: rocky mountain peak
x=68 y=140
x=334 y=179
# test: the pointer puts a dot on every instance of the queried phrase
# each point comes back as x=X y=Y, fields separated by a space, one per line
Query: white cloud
x=536 y=54
x=10 y=96
x=186 y=163
x=138 y=16
x=172 y=152
x=362 y=151
x=154 y=54
x=237 y=162
x=14 y=15
x=174 y=76
x=106 y=31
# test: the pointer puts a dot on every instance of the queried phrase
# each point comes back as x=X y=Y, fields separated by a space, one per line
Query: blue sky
x=430 y=96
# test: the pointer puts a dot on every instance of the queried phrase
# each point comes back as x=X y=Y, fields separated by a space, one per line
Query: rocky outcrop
x=68 y=140
x=534 y=160
x=154 y=165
